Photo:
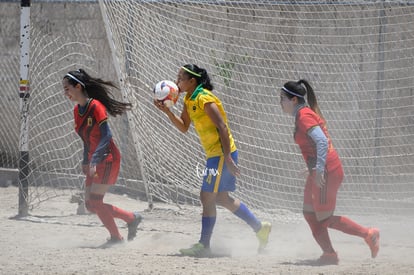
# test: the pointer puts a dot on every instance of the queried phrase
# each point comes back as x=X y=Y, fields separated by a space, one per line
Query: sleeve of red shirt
x=100 y=113
x=307 y=120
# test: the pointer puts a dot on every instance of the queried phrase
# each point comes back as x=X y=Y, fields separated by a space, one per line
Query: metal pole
x=125 y=90
x=380 y=95
x=24 y=94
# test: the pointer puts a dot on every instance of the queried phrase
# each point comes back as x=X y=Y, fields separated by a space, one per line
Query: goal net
x=57 y=45
x=357 y=54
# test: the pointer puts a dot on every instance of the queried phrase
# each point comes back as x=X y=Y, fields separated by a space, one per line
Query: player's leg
x=208 y=221
x=348 y=226
x=228 y=184
x=95 y=202
x=107 y=212
x=238 y=208
x=342 y=223
x=320 y=233
x=108 y=174
x=325 y=201
x=216 y=179
x=96 y=188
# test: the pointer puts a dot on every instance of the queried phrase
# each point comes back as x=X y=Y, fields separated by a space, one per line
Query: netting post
x=380 y=93
x=125 y=91
x=24 y=93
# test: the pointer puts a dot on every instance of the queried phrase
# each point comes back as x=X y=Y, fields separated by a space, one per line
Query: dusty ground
x=54 y=240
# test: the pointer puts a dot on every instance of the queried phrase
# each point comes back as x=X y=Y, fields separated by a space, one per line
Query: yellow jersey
x=204 y=126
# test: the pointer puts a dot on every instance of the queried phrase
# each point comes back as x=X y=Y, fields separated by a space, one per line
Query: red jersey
x=306 y=119
x=87 y=125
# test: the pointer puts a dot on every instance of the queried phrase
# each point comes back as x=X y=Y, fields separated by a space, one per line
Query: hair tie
x=190 y=71
x=76 y=79
x=292 y=93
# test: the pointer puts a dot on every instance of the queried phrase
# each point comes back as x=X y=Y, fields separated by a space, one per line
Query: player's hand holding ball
x=166 y=94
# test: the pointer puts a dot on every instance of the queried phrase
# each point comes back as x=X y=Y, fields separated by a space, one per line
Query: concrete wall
x=70 y=22
x=65 y=36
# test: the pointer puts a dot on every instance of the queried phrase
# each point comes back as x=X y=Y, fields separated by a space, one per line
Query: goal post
x=55 y=151
x=24 y=94
x=122 y=71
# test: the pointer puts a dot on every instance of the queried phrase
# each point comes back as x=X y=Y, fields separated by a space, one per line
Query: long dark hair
x=302 y=88
x=98 y=89
x=200 y=74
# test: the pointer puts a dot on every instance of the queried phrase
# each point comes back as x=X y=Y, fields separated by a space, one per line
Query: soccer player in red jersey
x=101 y=157
x=325 y=172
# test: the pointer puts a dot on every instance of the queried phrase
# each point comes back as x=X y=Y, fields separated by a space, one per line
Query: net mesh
x=358 y=56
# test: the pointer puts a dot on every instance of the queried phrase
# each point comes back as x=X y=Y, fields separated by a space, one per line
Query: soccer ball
x=166 y=91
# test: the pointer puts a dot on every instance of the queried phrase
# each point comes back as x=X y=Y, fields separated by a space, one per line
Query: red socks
x=107 y=213
x=341 y=223
x=119 y=213
x=319 y=232
x=346 y=225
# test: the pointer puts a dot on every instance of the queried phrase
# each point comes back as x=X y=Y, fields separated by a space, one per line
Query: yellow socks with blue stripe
x=246 y=215
x=207 y=225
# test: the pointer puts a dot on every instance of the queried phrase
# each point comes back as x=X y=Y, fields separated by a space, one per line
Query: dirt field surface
x=55 y=240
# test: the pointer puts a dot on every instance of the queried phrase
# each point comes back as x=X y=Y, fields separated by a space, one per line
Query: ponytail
x=200 y=75
x=98 y=89
x=311 y=97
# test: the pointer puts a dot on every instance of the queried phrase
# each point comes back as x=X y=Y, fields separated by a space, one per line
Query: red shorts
x=323 y=199
x=107 y=170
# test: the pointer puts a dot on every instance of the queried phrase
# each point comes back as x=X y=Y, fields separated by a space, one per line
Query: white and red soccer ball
x=166 y=91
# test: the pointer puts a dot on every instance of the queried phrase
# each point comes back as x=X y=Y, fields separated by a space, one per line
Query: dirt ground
x=55 y=240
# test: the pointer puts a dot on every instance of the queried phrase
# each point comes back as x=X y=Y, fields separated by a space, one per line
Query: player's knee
x=207 y=199
x=89 y=207
x=222 y=202
x=94 y=205
x=312 y=222
x=223 y=199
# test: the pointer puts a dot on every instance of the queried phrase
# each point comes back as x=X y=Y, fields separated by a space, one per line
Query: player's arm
x=182 y=122
x=101 y=150
x=321 y=142
x=214 y=114
x=85 y=161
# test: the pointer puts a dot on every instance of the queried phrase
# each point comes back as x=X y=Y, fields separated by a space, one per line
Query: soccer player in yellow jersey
x=206 y=111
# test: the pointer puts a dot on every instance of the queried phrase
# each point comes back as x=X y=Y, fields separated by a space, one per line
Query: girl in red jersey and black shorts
x=325 y=172
x=101 y=157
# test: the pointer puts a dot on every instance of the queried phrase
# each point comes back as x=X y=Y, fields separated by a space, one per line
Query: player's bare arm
x=182 y=122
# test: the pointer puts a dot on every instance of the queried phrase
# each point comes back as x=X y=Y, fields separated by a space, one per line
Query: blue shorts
x=216 y=176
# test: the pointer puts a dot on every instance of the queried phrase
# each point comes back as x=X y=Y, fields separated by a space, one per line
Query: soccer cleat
x=328 y=259
x=373 y=241
x=197 y=250
x=112 y=241
x=263 y=235
x=133 y=226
